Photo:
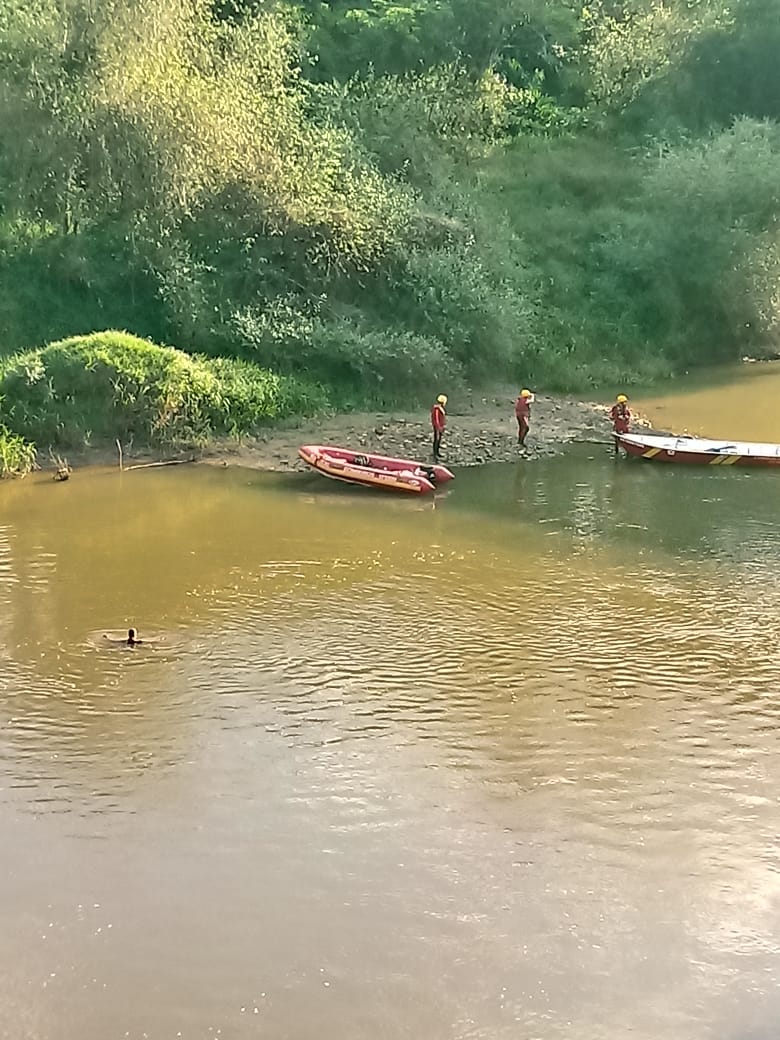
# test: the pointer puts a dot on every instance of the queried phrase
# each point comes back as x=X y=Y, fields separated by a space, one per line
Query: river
x=500 y=765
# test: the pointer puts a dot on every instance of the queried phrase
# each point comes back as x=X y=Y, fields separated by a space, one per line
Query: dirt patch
x=479 y=431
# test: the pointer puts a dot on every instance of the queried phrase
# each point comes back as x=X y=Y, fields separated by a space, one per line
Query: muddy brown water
x=501 y=765
x=737 y=402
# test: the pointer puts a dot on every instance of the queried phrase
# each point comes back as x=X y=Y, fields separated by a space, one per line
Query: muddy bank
x=481 y=430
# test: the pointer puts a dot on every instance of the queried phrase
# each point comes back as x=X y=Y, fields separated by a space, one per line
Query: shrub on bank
x=92 y=389
x=361 y=364
x=17 y=456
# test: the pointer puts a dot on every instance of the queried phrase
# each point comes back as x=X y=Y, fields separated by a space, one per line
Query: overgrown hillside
x=382 y=197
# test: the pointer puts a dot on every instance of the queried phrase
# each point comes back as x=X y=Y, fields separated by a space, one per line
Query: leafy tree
x=386 y=193
x=632 y=46
x=731 y=69
x=520 y=39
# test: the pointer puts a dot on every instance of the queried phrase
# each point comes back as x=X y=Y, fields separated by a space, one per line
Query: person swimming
x=132 y=639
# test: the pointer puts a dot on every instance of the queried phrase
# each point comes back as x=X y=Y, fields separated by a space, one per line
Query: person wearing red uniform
x=438 y=423
x=621 y=418
x=523 y=415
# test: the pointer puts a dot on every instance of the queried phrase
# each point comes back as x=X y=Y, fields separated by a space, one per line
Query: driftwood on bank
x=153 y=465
x=148 y=465
x=62 y=468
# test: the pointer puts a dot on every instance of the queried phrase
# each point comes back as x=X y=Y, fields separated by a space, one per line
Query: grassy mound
x=92 y=389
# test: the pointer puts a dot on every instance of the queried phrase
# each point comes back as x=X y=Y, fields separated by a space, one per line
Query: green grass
x=91 y=390
x=17 y=456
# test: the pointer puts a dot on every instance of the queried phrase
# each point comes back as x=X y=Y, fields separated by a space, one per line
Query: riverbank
x=480 y=430
x=112 y=388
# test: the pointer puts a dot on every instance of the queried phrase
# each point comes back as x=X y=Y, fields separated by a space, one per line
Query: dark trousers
x=522 y=430
x=437 y=435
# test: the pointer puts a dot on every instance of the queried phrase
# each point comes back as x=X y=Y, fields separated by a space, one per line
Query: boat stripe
x=651 y=453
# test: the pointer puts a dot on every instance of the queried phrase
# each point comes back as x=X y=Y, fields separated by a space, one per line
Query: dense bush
x=382 y=197
x=110 y=385
x=365 y=364
x=17 y=456
x=637 y=278
x=685 y=63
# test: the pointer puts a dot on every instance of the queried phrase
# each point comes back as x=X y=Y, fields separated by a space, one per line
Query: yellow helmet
x=621 y=398
x=441 y=399
x=526 y=393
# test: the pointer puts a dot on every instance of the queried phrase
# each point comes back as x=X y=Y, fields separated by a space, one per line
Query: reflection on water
x=500 y=766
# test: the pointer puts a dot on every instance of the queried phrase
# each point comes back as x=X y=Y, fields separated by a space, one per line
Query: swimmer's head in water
x=131 y=636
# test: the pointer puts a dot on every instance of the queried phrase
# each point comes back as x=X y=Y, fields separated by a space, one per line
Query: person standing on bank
x=621 y=418
x=523 y=415
x=438 y=423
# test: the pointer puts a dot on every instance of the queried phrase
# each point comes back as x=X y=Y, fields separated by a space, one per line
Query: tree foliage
x=388 y=194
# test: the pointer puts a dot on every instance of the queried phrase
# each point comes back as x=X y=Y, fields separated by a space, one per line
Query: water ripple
x=467 y=771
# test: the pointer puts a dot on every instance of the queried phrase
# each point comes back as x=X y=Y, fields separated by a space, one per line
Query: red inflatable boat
x=357 y=467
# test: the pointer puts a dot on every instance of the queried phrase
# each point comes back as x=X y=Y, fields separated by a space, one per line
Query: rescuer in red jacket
x=438 y=423
x=621 y=417
x=523 y=415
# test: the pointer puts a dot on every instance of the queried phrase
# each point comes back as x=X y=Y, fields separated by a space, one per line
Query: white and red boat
x=699 y=451
x=379 y=471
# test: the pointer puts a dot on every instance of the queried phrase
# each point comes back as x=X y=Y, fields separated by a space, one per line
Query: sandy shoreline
x=480 y=429
x=483 y=430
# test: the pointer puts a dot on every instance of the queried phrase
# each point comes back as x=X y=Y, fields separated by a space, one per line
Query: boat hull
x=693 y=451
x=376 y=471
